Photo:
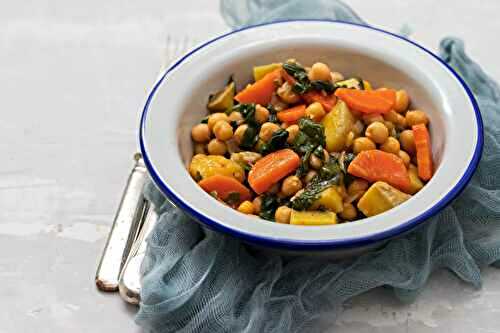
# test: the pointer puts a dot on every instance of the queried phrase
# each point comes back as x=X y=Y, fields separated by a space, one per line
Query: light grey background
x=73 y=77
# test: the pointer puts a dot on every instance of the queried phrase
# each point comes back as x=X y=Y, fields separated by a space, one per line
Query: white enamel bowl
x=178 y=99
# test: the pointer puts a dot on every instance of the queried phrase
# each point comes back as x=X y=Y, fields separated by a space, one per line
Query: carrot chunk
x=261 y=91
x=424 y=151
x=292 y=115
x=224 y=186
x=367 y=101
x=272 y=168
x=376 y=165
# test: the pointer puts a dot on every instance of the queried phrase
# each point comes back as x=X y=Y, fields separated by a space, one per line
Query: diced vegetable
x=424 y=153
x=337 y=124
x=313 y=218
x=353 y=83
x=272 y=168
x=261 y=91
x=312 y=193
x=366 y=101
x=203 y=166
x=377 y=165
x=381 y=197
x=260 y=71
x=415 y=182
x=226 y=188
x=292 y=115
x=329 y=199
x=326 y=101
x=222 y=100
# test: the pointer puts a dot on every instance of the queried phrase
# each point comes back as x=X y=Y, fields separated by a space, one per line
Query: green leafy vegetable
x=250 y=137
x=277 y=142
x=326 y=86
x=309 y=138
x=315 y=131
x=273 y=118
x=311 y=193
x=248 y=113
x=204 y=120
x=268 y=207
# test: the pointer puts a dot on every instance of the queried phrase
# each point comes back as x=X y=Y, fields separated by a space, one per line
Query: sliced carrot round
x=224 y=186
x=272 y=168
x=424 y=151
x=261 y=91
x=376 y=165
x=292 y=115
x=366 y=101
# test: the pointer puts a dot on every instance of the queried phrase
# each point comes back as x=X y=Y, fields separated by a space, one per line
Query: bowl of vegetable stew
x=311 y=135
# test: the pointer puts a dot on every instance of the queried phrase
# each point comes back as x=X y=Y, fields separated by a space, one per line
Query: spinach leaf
x=326 y=86
x=302 y=84
x=204 y=120
x=329 y=170
x=273 y=118
x=277 y=142
x=248 y=113
x=312 y=192
x=313 y=130
x=250 y=137
x=268 y=207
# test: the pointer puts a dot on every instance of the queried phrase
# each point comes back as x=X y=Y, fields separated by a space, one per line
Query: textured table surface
x=74 y=76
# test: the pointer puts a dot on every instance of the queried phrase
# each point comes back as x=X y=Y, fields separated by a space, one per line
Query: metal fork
x=130 y=277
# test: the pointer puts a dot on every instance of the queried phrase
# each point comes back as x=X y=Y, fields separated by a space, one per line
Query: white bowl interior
x=382 y=59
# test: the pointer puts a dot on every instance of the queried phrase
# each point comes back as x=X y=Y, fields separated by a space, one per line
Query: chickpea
x=405 y=157
x=238 y=134
x=371 y=118
x=267 y=130
x=342 y=191
x=200 y=133
x=257 y=204
x=292 y=130
x=407 y=141
x=283 y=214
x=349 y=212
x=216 y=147
x=246 y=207
x=390 y=126
x=350 y=139
x=215 y=117
x=309 y=176
x=315 y=111
x=357 y=185
x=402 y=101
x=416 y=117
x=319 y=72
x=199 y=148
x=336 y=77
x=236 y=117
x=391 y=145
x=315 y=162
x=377 y=132
x=287 y=95
x=261 y=114
x=291 y=185
x=395 y=118
x=361 y=144
x=223 y=131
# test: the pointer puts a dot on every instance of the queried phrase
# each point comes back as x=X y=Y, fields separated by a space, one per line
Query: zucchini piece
x=222 y=100
x=352 y=83
x=381 y=197
x=313 y=218
x=260 y=71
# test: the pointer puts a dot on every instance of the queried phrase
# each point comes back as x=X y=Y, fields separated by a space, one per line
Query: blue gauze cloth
x=197 y=280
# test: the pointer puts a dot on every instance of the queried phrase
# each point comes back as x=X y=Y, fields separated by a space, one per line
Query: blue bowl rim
x=293 y=244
